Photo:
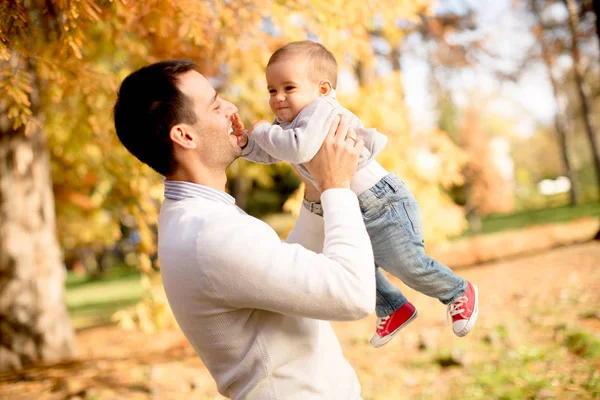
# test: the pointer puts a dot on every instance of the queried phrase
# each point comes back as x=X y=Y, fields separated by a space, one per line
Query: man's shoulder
x=184 y=220
x=210 y=236
x=209 y=221
x=198 y=210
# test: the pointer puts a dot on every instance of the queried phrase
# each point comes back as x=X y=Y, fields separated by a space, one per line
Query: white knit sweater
x=254 y=308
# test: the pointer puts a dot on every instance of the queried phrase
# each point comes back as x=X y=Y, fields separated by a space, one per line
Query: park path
x=525 y=303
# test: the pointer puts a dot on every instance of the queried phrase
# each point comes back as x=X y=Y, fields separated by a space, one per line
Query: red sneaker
x=464 y=311
x=387 y=327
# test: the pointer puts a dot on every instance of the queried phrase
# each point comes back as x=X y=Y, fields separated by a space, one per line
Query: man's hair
x=321 y=63
x=149 y=104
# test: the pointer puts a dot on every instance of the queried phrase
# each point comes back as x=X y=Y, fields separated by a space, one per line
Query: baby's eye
x=289 y=88
x=272 y=91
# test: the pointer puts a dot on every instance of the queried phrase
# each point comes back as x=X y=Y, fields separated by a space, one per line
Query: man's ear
x=180 y=134
x=325 y=87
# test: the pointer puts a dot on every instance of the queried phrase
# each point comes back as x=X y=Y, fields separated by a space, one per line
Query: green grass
x=517 y=374
x=583 y=344
x=593 y=382
x=92 y=302
x=497 y=223
x=115 y=273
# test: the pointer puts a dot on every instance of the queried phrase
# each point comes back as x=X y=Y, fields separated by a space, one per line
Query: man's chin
x=236 y=149
x=234 y=156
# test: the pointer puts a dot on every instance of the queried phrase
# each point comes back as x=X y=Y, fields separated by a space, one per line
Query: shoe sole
x=473 y=319
x=382 y=341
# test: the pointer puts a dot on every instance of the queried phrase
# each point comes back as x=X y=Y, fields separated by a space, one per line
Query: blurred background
x=491 y=109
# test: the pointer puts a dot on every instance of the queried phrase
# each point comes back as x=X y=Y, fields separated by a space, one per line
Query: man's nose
x=230 y=107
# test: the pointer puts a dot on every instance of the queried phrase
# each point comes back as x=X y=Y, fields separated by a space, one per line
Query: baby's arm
x=250 y=151
x=299 y=144
x=254 y=152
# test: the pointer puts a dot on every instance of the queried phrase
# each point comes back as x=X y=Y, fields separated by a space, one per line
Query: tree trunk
x=559 y=121
x=596 y=4
x=586 y=109
x=470 y=207
x=395 y=59
x=34 y=324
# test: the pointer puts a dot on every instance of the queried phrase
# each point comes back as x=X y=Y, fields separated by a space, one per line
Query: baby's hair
x=321 y=63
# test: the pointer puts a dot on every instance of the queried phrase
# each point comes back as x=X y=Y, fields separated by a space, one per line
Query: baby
x=301 y=79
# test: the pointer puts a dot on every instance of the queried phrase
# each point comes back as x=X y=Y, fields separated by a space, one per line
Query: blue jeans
x=393 y=221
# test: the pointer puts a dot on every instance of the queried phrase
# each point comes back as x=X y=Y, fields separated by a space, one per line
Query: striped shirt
x=180 y=190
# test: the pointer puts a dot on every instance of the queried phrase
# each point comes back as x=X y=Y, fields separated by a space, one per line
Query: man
x=253 y=308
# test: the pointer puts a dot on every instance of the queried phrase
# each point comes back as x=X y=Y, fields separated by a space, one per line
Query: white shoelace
x=456 y=307
x=381 y=322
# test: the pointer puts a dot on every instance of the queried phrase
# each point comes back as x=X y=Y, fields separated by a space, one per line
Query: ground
x=538 y=336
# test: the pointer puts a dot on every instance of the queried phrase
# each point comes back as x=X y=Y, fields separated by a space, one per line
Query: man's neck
x=215 y=180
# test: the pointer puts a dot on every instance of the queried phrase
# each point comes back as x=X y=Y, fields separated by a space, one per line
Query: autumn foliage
x=61 y=63
x=80 y=52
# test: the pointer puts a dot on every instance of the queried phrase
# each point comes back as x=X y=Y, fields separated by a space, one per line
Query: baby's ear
x=325 y=87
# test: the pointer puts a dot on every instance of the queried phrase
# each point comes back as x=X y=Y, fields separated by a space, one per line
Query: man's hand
x=254 y=125
x=238 y=130
x=335 y=163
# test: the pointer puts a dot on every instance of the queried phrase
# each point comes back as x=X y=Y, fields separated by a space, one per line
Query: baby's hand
x=254 y=125
x=237 y=124
x=238 y=130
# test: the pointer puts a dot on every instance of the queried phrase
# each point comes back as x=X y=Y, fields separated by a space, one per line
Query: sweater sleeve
x=255 y=153
x=249 y=267
x=303 y=139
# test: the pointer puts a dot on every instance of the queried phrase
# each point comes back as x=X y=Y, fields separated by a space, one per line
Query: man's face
x=217 y=147
x=290 y=88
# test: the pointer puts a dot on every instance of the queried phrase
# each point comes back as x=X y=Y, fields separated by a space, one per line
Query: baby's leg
x=399 y=248
x=389 y=297
x=394 y=312
x=395 y=228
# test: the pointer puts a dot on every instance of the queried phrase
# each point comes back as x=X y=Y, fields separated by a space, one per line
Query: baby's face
x=290 y=88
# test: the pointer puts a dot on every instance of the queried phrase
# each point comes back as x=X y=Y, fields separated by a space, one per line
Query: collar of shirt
x=180 y=190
